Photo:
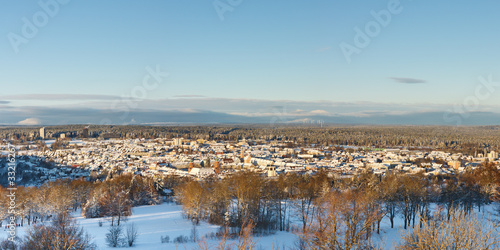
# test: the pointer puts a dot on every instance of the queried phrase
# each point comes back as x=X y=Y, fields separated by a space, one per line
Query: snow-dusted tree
x=60 y=197
x=92 y=208
x=81 y=192
x=143 y=191
x=108 y=199
x=22 y=203
x=119 y=205
x=42 y=201
x=31 y=205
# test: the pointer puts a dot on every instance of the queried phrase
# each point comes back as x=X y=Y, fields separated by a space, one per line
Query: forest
x=463 y=139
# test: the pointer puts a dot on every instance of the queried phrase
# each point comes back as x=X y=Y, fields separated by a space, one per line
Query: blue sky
x=286 y=54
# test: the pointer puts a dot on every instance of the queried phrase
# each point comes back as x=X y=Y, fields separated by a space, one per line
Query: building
x=178 y=141
x=201 y=172
x=248 y=159
x=85 y=133
x=42 y=133
x=271 y=171
x=191 y=166
x=217 y=166
x=455 y=164
x=492 y=156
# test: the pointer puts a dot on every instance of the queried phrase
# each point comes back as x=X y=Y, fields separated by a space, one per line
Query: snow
x=153 y=222
x=77 y=142
x=49 y=142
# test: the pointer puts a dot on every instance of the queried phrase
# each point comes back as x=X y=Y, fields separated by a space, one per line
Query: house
x=271 y=171
x=202 y=172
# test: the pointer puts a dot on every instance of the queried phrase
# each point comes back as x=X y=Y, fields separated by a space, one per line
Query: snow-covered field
x=153 y=222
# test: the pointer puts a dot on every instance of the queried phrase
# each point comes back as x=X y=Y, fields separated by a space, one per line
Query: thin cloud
x=30 y=121
x=4 y=102
x=320 y=112
x=59 y=97
x=189 y=96
x=407 y=80
x=363 y=115
x=323 y=49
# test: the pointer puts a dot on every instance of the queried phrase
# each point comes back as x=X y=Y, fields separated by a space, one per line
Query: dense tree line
x=113 y=198
x=247 y=196
x=470 y=140
x=337 y=213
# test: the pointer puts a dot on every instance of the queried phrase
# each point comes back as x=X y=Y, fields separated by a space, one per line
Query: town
x=51 y=159
x=228 y=180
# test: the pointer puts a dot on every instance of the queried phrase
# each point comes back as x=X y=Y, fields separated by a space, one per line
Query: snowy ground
x=153 y=222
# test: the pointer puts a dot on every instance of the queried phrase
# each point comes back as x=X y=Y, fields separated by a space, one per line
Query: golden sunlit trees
x=246 y=188
x=219 y=200
x=342 y=221
x=143 y=191
x=81 y=191
x=194 y=199
x=462 y=231
x=389 y=187
x=60 y=196
x=110 y=198
x=412 y=193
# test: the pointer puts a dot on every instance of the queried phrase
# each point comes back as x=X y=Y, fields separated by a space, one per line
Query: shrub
x=181 y=239
x=114 y=236
x=62 y=233
x=165 y=239
x=8 y=245
x=131 y=234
